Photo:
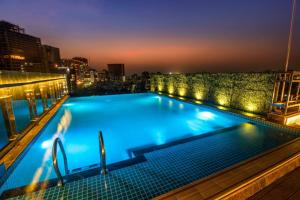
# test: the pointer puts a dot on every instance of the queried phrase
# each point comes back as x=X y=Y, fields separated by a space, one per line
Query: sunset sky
x=163 y=35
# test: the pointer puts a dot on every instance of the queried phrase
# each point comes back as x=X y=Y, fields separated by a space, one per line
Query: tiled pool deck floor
x=164 y=170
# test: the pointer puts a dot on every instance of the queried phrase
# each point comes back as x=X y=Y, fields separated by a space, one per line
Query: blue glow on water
x=3 y=132
x=127 y=122
x=39 y=106
x=205 y=115
x=22 y=115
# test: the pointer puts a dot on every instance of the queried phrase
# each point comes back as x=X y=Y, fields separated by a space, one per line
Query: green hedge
x=250 y=92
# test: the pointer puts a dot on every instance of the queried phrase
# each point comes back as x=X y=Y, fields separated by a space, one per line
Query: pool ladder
x=102 y=154
x=56 y=142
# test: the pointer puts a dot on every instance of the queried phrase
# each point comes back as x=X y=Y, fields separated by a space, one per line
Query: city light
x=15 y=57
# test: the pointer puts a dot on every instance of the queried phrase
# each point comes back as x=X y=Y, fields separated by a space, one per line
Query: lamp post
x=292 y=26
x=291 y=32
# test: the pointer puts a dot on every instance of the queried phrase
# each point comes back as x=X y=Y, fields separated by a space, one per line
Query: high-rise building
x=76 y=69
x=91 y=77
x=116 y=72
x=18 y=50
x=51 y=58
x=103 y=75
x=81 y=65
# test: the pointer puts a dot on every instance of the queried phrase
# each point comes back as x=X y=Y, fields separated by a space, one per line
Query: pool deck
x=21 y=145
x=287 y=187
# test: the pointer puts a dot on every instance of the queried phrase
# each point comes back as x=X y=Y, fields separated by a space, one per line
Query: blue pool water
x=3 y=132
x=22 y=115
x=130 y=122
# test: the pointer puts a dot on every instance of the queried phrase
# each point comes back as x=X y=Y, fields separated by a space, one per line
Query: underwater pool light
x=46 y=144
x=205 y=115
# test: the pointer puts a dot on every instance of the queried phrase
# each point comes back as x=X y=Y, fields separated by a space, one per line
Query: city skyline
x=164 y=36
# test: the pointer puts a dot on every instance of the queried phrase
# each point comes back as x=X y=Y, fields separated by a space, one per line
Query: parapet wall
x=15 y=83
x=24 y=98
x=251 y=92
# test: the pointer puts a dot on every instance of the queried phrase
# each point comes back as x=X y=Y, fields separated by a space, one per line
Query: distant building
x=103 y=75
x=19 y=51
x=81 y=59
x=67 y=65
x=51 y=58
x=81 y=65
x=76 y=69
x=116 y=72
x=91 y=77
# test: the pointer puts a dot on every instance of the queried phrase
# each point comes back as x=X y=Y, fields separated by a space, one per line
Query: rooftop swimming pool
x=132 y=123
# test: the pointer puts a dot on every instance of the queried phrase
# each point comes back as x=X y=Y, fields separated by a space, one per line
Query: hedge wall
x=250 y=92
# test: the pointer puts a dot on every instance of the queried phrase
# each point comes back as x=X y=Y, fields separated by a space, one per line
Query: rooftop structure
x=116 y=71
x=285 y=106
x=51 y=58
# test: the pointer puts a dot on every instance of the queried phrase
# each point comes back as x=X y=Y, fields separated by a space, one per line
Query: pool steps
x=138 y=151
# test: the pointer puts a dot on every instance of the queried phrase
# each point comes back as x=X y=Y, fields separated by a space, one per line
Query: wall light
x=160 y=87
x=223 y=100
x=171 y=89
x=251 y=107
x=198 y=95
x=182 y=91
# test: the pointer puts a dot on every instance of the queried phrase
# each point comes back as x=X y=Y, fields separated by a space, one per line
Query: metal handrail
x=54 y=159
x=102 y=154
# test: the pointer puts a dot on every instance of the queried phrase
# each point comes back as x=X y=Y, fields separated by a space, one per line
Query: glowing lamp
x=182 y=91
x=171 y=89
x=251 y=107
x=160 y=87
x=198 y=95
